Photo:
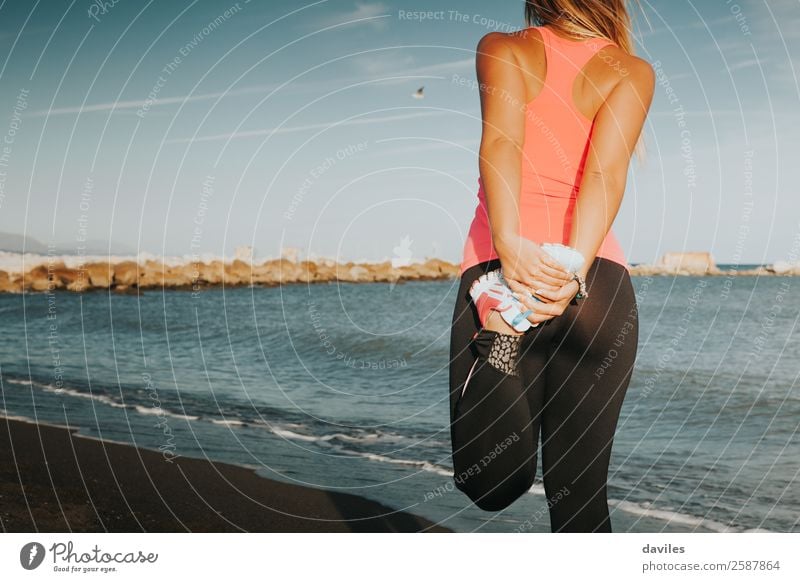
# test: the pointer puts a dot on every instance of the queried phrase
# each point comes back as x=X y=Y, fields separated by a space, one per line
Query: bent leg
x=464 y=326
x=588 y=374
x=493 y=437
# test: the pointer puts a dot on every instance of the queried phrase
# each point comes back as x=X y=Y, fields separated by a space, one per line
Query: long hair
x=587 y=19
x=584 y=18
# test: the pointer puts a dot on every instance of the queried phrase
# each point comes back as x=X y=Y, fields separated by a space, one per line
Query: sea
x=344 y=387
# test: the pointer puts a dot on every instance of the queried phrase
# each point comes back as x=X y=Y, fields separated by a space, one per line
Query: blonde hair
x=608 y=19
x=584 y=18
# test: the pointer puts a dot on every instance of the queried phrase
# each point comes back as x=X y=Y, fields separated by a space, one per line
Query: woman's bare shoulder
x=626 y=64
x=494 y=41
x=615 y=68
x=513 y=41
x=497 y=51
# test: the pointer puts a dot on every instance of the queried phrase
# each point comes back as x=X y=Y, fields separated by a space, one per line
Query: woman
x=563 y=105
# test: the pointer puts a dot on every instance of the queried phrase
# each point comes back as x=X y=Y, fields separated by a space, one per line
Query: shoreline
x=131 y=277
x=53 y=479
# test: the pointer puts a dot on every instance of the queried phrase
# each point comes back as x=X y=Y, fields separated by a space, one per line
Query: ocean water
x=344 y=386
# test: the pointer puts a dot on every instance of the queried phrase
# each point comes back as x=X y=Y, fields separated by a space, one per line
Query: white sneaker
x=491 y=292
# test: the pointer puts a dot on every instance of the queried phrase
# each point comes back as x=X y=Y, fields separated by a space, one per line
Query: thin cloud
x=297 y=128
x=707 y=113
x=372 y=14
x=423 y=145
x=448 y=68
x=124 y=105
x=775 y=20
x=120 y=107
x=744 y=64
x=382 y=63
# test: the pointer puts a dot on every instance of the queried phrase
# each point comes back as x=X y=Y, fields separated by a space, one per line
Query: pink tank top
x=553 y=155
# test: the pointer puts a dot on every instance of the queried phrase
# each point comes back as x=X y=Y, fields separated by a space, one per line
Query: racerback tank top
x=553 y=155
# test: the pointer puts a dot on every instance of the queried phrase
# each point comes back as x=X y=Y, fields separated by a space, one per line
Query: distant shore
x=40 y=273
x=53 y=480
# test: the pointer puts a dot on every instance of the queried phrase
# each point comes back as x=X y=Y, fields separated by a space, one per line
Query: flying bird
x=420 y=94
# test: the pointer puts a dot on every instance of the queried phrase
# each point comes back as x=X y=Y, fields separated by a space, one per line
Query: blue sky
x=180 y=127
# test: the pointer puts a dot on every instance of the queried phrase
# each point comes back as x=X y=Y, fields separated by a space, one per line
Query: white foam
x=20 y=382
x=355 y=439
x=156 y=411
x=103 y=399
x=33 y=420
x=424 y=465
x=286 y=433
x=536 y=488
x=78 y=394
x=228 y=422
x=645 y=509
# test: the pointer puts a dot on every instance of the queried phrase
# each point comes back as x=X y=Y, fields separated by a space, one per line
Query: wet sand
x=52 y=480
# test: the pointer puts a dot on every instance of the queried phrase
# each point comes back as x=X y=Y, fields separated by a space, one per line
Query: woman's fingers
x=536 y=280
x=528 y=290
x=556 y=271
x=567 y=291
x=553 y=283
x=555 y=276
x=539 y=308
x=537 y=316
x=547 y=294
x=516 y=286
x=533 y=288
x=521 y=292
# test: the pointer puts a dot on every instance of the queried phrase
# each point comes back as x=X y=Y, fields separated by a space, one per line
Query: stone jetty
x=41 y=273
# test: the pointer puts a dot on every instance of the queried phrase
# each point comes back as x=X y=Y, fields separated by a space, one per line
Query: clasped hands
x=528 y=269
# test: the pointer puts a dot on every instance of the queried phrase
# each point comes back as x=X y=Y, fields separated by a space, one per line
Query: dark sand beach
x=52 y=480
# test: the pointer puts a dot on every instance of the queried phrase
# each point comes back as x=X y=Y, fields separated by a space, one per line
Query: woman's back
x=566 y=81
x=556 y=130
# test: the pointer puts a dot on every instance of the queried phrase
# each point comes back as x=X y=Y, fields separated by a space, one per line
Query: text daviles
x=665 y=549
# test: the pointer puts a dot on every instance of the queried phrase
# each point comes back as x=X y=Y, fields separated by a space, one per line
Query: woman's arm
x=502 y=92
x=617 y=127
x=503 y=101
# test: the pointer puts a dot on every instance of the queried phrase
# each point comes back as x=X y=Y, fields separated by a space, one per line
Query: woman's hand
x=527 y=263
x=553 y=303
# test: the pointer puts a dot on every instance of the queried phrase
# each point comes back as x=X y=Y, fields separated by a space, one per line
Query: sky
x=193 y=127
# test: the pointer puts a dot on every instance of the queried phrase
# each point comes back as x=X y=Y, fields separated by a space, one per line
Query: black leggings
x=567 y=377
